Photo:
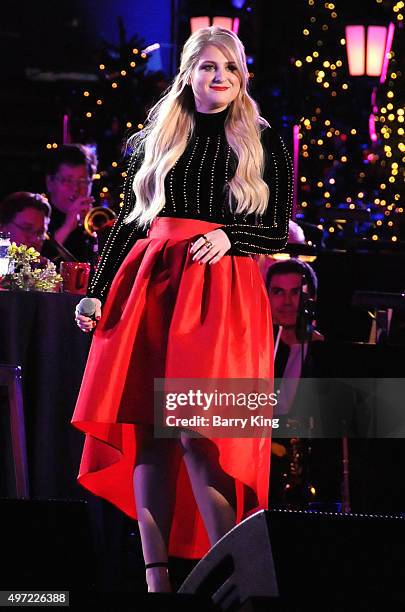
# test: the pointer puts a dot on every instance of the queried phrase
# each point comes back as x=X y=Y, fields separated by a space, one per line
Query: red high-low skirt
x=167 y=316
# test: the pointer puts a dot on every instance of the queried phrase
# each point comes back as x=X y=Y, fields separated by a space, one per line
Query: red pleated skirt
x=167 y=316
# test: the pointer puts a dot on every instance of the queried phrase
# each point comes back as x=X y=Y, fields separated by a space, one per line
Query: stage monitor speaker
x=319 y=557
x=237 y=567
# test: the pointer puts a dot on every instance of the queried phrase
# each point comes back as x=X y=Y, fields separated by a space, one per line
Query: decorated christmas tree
x=351 y=161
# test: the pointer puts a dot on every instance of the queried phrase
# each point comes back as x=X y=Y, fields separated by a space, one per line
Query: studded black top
x=196 y=188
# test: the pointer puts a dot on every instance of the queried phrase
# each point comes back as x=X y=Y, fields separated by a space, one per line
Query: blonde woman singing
x=208 y=185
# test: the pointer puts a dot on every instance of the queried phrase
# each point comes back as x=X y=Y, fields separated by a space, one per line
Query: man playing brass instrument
x=69 y=173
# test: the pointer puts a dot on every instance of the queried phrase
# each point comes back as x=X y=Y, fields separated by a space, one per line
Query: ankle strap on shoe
x=157 y=564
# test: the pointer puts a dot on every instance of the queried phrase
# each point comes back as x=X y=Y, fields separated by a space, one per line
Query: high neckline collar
x=208 y=124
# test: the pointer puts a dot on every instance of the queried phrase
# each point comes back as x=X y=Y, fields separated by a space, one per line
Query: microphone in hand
x=87 y=308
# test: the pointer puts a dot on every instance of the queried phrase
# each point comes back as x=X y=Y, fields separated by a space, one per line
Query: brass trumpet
x=97 y=218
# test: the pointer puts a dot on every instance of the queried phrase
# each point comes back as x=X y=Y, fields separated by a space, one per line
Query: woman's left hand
x=211 y=247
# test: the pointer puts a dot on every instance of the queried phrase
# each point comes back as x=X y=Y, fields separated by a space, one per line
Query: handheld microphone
x=87 y=308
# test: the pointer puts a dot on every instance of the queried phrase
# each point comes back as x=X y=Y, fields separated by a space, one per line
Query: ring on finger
x=208 y=245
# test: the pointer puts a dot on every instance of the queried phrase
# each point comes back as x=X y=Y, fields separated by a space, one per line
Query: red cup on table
x=75 y=275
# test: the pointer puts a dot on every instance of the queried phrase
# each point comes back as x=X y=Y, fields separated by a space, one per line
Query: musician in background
x=287 y=283
x=292 y=288
x=69 y=172
x=25 y=216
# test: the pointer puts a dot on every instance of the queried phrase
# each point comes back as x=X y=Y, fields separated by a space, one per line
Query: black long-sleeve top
x=196 y=188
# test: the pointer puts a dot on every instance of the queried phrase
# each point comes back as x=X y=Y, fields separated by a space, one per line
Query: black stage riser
x=334 y=559
x=315 y=557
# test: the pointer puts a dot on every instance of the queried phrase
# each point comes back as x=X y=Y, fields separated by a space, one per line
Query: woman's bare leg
x=155 y=476
x=213 y=489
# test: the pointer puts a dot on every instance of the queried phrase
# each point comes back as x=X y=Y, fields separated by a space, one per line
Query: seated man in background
x=298 y=465
x=287 y=282
x=25 y=216
x=69 y=179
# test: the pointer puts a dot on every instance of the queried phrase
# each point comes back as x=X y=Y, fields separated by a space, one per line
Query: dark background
x=64 y=37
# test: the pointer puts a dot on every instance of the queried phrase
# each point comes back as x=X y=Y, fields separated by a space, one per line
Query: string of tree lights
x=342 y=171
x=389 y=121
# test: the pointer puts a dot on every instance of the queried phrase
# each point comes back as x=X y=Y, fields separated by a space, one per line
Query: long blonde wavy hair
x=171 y=121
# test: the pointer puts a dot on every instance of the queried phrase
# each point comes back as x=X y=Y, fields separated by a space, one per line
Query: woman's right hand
x=86 y=324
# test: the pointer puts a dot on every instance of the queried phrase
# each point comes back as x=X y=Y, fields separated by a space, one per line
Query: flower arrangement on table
x=28 y=271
